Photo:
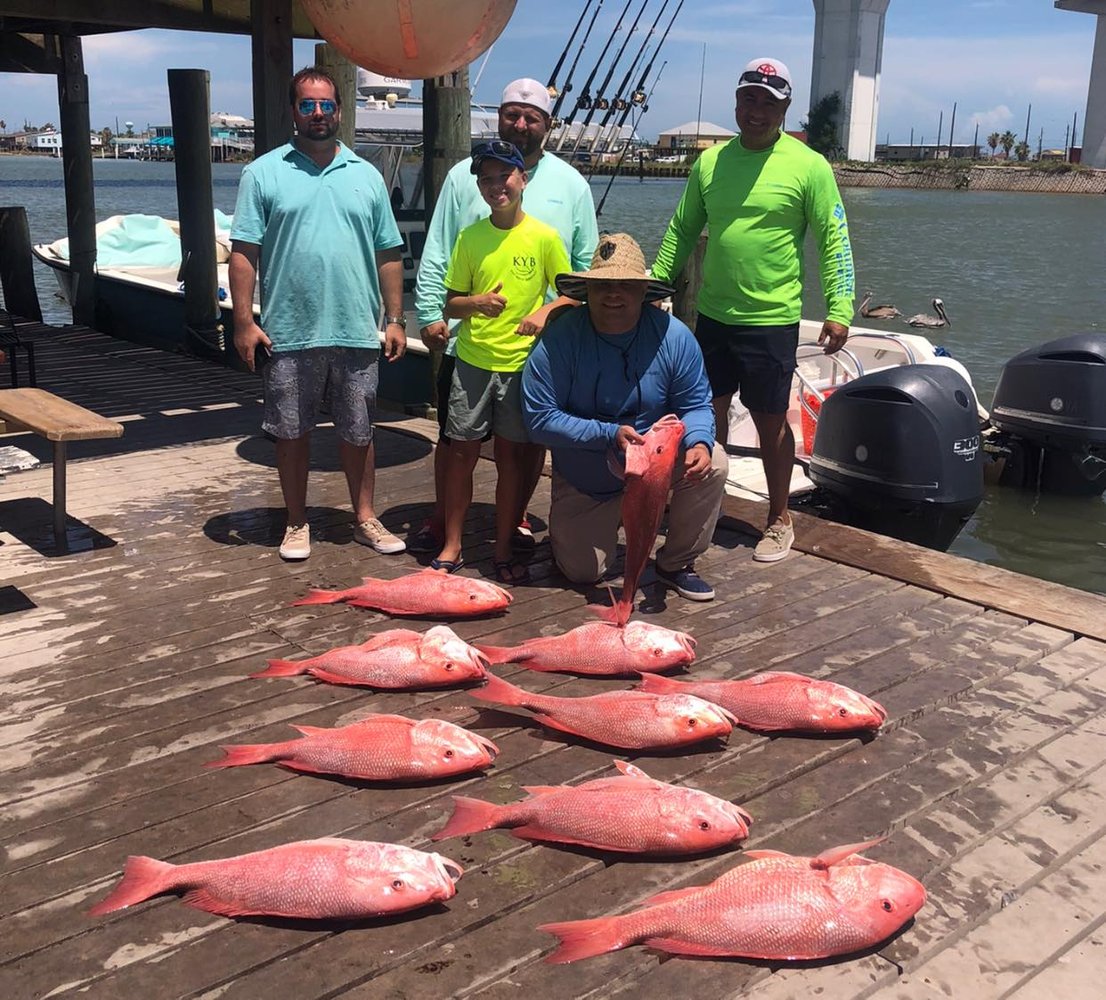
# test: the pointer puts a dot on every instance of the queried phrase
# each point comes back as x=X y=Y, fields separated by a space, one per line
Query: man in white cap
x=758 y=194
x=557 y=195
x=597 y=380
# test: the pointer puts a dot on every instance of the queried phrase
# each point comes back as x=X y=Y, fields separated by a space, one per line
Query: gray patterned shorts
x=295 y=382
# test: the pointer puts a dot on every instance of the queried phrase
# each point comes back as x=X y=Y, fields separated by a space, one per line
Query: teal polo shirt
x=319 y=229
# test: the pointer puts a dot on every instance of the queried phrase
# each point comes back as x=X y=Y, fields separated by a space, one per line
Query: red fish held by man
x=775 y=907
x=425 y=592
x=377 y=748
x=630 y=720
x=326 y=879
x=630 y=813
x=649 y=470
x=780 y=701
x=601 y=649
x=398 y=659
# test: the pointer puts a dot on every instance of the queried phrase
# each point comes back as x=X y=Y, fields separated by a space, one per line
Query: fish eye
x=449 y=666
x=887 y=905
x=397 y=883
x=704 y=825
x=691 y=723
x=449 y=753
x=843 y=712
x=657 y=651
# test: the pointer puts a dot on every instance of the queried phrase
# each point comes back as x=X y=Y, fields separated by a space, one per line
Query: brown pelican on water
x=877 y=312
x=931 y=322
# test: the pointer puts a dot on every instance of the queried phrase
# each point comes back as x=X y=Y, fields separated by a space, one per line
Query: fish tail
x=319 y=597
x=502 y=654
x=655 y=684
x=282 y=668
x=501 y=692
x=469 y=816
x=248 y=753
x=142 y=878
x=586 y=938
x=617 y=614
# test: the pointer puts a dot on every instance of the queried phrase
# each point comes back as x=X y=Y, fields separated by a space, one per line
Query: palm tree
x=1021 y=151
x=993 y=140
x=1007 y=141
x=3 y=125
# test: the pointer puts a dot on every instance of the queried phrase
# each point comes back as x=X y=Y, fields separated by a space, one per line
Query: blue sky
x=992 y=57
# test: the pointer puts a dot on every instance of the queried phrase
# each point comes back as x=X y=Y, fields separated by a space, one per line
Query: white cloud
x=997 y=119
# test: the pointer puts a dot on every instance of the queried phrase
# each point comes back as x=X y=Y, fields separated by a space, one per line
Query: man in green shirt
x=757 y=195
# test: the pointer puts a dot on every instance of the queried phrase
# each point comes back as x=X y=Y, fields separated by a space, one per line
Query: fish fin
x=585 y=938
x=322 y=674
x=376 y=718
x=618 y=613
x=319 y=597
x=629 y=769
x=776 y=677
x=251 y=753
x=282 y=668
x=534 y=832
x=637 y=460
x=767 y=854
x=655 y=684
x=392 y=637
x=835 y=855
x=548 y=720
x=204 y=899
x=469 y=816
x=501 y=692
x=671 y=894
x=142 y=878
x=312 y=730
x=504 y=654
x=674 y=946
x=299 y=765
x=380 y=607
x=544 y=789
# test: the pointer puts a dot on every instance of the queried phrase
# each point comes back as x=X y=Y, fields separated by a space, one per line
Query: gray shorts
x=483 y=402
x=295 y=382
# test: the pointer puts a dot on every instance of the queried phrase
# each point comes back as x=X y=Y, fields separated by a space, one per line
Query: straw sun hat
x=616 y=258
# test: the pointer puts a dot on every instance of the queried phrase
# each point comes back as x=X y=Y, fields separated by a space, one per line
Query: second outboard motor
x=1050 y=405
x=899 y=451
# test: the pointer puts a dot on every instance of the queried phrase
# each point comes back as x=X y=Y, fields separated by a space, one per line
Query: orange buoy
x=410 y=39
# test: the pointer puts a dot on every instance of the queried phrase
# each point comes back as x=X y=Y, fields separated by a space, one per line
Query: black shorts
x=758 y=361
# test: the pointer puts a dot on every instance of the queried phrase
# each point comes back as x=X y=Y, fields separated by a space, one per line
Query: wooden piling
x=688 y=283
x=189 y=104
x=345 y=76
x=271 y=33
x=16 y=271
x=80 y=201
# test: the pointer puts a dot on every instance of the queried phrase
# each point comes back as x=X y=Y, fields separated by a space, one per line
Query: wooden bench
x=59 y=421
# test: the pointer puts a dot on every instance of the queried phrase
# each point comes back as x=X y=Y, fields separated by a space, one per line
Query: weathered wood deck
x=123 y=666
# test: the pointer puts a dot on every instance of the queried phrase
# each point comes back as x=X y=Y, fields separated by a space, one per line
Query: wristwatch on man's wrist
x=401 y=320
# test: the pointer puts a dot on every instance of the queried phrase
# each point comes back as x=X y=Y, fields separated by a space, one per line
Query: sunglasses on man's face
x=767 y=79
x=307 y=107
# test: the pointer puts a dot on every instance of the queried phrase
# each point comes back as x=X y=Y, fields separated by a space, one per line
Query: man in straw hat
x=757 y=195
x=600 y=377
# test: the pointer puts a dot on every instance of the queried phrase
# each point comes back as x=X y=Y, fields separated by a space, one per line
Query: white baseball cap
x=771 y=74
x=527 y=91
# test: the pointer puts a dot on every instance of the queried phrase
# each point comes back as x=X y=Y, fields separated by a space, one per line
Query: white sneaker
x=373 y=534
x=297 y=542
x=775 y=543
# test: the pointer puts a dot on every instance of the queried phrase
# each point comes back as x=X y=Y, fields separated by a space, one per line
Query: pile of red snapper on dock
x=775 y=906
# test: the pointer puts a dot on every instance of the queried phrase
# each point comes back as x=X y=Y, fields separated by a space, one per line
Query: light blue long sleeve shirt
x=555 y=194
x=579 y=387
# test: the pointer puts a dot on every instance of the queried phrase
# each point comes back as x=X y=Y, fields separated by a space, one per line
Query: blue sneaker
x=687 y=583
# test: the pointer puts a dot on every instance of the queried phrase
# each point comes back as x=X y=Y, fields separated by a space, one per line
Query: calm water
x=1013 y=270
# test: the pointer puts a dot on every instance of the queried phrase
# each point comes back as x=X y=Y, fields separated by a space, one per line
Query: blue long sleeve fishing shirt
x=580 y=386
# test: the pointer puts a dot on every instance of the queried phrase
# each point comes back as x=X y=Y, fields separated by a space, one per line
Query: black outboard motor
x=1050 y=405
x=899 y=452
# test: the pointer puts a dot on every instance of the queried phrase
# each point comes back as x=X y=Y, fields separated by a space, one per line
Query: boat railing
x=808 y=390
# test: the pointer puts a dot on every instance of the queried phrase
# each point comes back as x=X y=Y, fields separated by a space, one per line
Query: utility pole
x=1027 y=114
x=1040 y=143
x=975 y=142
x=952 y=128
x=1067 y=148
x=940 y=126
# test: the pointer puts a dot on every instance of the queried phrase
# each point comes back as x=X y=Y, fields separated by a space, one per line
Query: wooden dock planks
x=132 y=668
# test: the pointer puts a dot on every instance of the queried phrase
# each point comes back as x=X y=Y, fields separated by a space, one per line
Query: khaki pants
x=583 y=531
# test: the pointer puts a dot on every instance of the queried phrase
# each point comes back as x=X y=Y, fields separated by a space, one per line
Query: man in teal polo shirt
x=316 y=221
x=757 y=195
x=556 y=194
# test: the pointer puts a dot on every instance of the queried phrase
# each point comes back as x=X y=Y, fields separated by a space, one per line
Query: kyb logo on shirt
x=524 y=266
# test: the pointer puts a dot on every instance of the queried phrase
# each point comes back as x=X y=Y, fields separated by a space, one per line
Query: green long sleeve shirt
x=757 y=206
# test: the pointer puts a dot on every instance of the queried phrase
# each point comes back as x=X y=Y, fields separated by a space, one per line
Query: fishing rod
x=626 y=145
x=572 y=70
x=601 y=103
x=619 y=103
x=584 y=100
x=552 y=85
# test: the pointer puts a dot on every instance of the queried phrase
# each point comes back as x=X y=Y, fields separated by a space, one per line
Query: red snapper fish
x=425 y=592
x=321 y=879
x=631 y=720
x=600 y=649
x=776 y=907
x=399 y=659
x=377 y=748
x=649 y=470
x=779 y=700
x=631 y=813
